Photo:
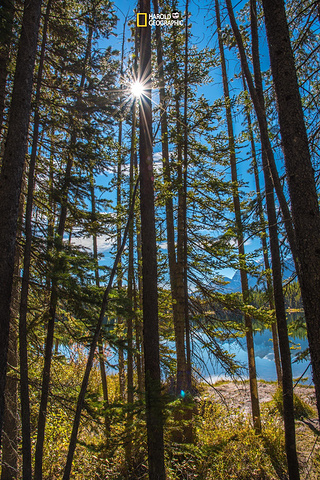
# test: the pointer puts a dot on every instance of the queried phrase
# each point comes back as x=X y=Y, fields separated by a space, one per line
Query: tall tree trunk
x=139 y=326
x=138 y=293
x=287 y=387
x=179 y=326
x=149 y=266
x=300 y=174
x=23 y=343
x=104 y=382
x=100 y=343
x=7 y=11
x=180 y=323
x=263 y=128
x=240 y=239
x=185 y=190
x=54 y=289
x=175 y=270
x=10 y=443
x=130 y=315
x=263 y=237
x=119 y=182
x=166 y=164
x=12 y=172
x=93 y=346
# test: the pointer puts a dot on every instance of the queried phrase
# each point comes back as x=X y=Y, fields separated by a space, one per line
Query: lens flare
x=137 y=89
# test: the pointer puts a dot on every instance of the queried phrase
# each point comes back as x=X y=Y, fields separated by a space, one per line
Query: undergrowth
x=301 y=408
x=224 y=446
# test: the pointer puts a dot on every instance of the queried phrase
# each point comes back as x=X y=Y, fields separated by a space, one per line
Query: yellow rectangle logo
x=142 y=20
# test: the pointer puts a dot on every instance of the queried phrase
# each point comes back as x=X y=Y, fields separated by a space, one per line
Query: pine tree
x=149 y=265
x=300 y=174
x=240 y=238
x=12 y=171
x=287 y=386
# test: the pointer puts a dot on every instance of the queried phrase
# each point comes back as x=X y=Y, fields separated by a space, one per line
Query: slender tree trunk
x=263 y=237
x=263 y=127
x=93 y=346
x=239 y=228
x=138 y=358
x=179 y=326
x=175 y=270
x=182 y=255
x=10 y=443
x=139 y=328
x=12 y=171
x=119 y=182
x=166 y=163
x=104 y=382
x=54 y=289
x=131 y=302
x=138 y=292
x=185 y=190
x=287 y=387
x=149 y=266
x=7 y=11
x=100 y=343
x=23 y=343
x=300 y=174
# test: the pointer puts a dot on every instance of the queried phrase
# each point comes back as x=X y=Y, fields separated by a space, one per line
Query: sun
x=137 y=89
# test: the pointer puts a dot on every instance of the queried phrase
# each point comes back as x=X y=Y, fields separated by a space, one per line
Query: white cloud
x=104 y=243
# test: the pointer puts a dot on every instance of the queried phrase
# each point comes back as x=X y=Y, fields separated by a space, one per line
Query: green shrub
x=301 y=408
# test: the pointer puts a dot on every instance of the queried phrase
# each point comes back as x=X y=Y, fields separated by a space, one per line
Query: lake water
x=264 y=356
x=212 y=371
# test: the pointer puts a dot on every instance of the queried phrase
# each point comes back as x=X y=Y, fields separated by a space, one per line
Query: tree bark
x=185 y=192
x=7 y=11
x=12 y=171
x=10 y=442
x=139 y=326
x=179 y=325
x=9 y=460
x=287 y=387
x=122 y=385
x=263 y=128
x=240 y=239
x=23 y=343
x=263 y=237
x=166 y=163
x=300 y=174
x=100 y=343
x=175 y=270
x=130 y=316
x=149 y=265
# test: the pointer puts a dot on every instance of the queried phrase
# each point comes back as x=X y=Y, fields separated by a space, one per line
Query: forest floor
x=236 y=398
